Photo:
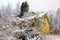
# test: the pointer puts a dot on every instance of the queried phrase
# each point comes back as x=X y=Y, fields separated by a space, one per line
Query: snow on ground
x=53 y=37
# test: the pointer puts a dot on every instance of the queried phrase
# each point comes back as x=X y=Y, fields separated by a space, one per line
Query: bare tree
x=18 y=7
x=58 y=17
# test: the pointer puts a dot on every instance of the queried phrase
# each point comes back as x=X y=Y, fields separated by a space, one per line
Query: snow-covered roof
x=30 y=17
x=40 y=15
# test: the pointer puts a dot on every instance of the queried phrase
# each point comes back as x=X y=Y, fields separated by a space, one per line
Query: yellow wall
x=45 y=26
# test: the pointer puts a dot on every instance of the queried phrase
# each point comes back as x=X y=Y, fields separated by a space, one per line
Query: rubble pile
x=27 y=31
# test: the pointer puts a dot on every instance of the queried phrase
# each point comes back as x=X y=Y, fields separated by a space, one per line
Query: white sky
x=35 y=5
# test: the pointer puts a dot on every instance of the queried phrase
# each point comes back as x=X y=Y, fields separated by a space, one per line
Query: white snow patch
x=54 y=37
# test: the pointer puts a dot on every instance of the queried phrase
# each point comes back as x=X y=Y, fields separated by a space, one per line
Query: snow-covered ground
x=54 y=37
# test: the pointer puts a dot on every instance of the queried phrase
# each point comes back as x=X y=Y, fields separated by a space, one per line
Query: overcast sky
x=35 y=5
